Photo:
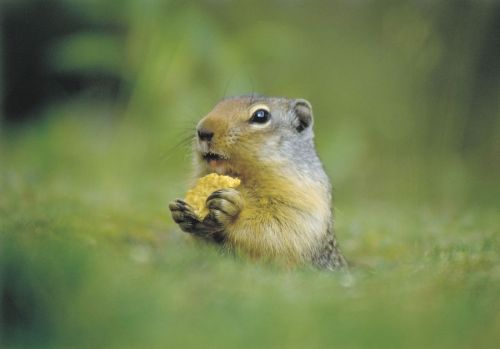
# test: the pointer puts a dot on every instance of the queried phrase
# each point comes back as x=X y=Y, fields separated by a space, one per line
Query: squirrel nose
x=205 y=135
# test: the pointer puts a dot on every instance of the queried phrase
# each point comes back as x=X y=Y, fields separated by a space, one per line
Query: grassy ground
x=89 y=257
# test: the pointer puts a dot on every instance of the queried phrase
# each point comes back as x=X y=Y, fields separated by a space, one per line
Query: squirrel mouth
x=216 y=162
x=210 y=156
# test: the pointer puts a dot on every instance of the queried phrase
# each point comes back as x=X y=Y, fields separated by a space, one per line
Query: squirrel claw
x=224 y=206
x=183 y=214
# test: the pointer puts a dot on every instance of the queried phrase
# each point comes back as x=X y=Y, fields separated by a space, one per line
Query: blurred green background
x=98 y=98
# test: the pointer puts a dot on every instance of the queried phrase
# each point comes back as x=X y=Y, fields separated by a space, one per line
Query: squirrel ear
x=304 y=115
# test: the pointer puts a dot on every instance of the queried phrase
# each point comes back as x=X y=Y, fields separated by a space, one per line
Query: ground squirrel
x=282 y=209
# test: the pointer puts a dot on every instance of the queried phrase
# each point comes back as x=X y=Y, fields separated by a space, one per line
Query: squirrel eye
x=260 y=116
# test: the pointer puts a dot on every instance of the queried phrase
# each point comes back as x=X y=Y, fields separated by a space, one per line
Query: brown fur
x=281 y=210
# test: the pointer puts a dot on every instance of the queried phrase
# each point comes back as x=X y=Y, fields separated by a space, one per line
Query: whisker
x=185 y=141
x=226 y=88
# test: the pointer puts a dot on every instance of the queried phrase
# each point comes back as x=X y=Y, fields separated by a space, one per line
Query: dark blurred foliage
x=464 y=87
x=31 y=30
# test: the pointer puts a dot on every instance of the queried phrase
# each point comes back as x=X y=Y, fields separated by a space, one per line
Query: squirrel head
x=242 y=135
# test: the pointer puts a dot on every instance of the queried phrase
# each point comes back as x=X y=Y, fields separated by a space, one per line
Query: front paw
x=183 y=214
x=224 y=207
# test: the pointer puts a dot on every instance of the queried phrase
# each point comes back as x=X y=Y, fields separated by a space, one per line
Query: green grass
x=89 y=257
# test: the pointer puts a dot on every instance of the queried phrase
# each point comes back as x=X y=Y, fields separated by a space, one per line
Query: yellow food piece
x=197 y=196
